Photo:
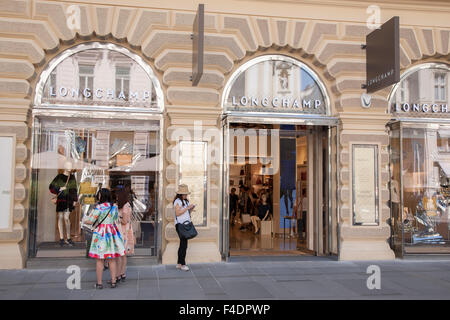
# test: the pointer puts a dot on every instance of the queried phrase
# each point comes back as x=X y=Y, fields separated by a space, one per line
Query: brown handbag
x=55 y=198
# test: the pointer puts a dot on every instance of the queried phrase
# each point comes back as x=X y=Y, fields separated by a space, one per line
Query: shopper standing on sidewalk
x=107 y=242
x=126 y=230
x=182 y=214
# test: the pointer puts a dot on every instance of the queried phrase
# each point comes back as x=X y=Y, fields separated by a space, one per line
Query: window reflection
x=100 y=77
x=119 y=155
x=289 y=87
x=425 y=180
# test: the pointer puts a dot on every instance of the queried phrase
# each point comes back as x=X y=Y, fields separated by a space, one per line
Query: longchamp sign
x=420 y=108
x=383 y=56
x=99 y=93
x=277 y=102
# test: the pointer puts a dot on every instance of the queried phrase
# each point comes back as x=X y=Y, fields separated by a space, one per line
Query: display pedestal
x=266 y=228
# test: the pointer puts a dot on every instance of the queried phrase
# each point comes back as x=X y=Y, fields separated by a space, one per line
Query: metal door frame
x=319 y=124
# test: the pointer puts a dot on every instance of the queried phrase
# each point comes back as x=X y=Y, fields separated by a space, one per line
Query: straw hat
x=183 y=189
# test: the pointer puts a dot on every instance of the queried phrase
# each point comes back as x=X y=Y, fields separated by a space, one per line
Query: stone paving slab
x=252 y=279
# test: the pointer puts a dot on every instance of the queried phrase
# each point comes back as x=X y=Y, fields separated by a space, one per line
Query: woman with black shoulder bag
x=183 y=224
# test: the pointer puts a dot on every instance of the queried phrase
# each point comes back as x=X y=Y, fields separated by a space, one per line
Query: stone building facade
x=326 y=36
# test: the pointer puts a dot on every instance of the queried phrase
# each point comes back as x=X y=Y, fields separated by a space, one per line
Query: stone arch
x=430 y=63
x=42 y=69
x=325 y=80
x=133 y=57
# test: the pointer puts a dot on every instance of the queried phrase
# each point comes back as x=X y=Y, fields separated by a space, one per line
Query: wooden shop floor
x=246 y=243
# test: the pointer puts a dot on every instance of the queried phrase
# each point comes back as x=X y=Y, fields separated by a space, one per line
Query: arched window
x=423 y=91
x=99 y=75
x=275 y=83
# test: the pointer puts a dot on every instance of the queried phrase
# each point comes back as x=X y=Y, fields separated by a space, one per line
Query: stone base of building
x=197 y=252
x=366 y=250
x=11 y=256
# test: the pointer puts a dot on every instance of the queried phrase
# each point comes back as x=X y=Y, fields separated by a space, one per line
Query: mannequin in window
x=64 y=186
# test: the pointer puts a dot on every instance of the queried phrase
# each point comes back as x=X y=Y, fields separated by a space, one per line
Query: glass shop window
x=424 y=179
x=86 y=78
x=404 y=92
x=122 y=81
x=440 y=86
x=84 y=155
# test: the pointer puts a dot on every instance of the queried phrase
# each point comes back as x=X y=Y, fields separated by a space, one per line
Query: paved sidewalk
x=284 y=278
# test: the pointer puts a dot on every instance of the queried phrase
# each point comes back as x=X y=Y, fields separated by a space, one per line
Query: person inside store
x=255 y=199
x=125 y=228
x=264 y=212
x=242 y=203
x=182 y=214
x=301 y=222
x=233 y=205
x=246 y=205
x=107 y=242
x=64 y=187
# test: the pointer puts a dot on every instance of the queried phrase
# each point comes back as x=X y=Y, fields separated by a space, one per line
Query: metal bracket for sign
x=197 y=38
x=363 y=47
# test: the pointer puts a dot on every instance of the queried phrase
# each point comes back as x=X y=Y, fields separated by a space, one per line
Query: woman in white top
x=182 y=214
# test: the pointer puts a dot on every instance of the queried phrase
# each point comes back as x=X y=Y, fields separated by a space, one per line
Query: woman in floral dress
x=107 y=242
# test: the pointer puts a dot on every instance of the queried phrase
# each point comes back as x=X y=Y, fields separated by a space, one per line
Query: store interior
x=256 y=177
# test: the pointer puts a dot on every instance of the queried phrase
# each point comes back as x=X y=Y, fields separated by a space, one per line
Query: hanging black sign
x=383 y=56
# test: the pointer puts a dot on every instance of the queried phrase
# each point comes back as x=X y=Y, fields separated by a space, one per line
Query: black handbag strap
x=102 y=219
x=68 y=178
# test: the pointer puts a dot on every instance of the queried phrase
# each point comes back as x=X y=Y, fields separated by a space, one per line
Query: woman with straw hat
x=182 y=214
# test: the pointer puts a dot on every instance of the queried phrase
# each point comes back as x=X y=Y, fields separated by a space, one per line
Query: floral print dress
x=107 y=242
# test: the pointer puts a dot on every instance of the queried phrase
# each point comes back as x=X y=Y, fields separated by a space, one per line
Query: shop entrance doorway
x=278 y=183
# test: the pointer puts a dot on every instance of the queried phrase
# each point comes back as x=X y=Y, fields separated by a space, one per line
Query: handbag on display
x=55 y=198
x=89 y=229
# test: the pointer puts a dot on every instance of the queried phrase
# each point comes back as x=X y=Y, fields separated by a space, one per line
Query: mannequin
x=64 y=185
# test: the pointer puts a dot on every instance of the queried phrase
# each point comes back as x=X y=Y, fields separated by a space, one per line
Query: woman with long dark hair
x=107 y=242
x=125 y=228
x=182 y=214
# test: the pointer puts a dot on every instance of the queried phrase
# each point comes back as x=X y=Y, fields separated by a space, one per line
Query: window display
x=420 y=160
x=74 y=158
x=424 y=177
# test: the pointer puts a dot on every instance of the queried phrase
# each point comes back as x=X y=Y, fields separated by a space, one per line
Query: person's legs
x=291 y=198
x=67 y=223
x=60 y=225
x=284 y=193
x=113 y=269
x=99 y=270
x=182 y=252
x=255 y=222
x=124 y=265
